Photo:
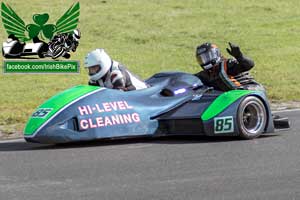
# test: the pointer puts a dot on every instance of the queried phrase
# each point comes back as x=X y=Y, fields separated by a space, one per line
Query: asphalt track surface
x=162 y=168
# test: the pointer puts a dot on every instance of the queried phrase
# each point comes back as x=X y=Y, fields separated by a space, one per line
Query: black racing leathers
x=230 y=74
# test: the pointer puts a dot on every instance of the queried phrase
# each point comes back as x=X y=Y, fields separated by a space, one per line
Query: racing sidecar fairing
x=13 y=48
x=176 y=104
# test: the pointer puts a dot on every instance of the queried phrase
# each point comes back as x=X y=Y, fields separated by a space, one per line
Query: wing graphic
x=13 y=23
x=69 y=21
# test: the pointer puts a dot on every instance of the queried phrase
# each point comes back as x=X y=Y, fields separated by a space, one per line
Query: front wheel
x=57 y=52
x=252 y=117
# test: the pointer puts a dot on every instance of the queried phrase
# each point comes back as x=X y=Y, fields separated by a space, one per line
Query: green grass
x=161 y=35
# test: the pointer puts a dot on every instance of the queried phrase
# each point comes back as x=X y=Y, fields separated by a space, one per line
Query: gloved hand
x=234 y=50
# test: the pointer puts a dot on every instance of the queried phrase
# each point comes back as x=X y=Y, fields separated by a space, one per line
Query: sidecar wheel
x=252 y=117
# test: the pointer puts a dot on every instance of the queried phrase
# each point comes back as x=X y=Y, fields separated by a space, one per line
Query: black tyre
x=43 y=50
x=67 y=55
x=251 y=117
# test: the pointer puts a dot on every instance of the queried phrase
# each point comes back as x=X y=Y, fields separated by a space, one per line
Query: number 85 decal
x=41 y=113
x=223 y=124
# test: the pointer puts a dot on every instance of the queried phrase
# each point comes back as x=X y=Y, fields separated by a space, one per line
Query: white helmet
x=99 y=58
x=76 y=35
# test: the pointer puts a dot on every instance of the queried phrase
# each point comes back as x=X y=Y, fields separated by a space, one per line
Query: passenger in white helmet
x=105 y=72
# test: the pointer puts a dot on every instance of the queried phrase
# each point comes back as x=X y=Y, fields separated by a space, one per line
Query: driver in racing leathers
x=105 y=72
x=222 y=73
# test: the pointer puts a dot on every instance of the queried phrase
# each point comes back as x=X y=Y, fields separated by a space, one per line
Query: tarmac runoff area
x=159 y=168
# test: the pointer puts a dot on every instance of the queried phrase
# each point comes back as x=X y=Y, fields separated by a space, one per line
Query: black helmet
x=208 y=55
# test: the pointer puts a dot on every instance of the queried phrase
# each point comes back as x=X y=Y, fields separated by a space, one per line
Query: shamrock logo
x=16 y=26
x=40 y=26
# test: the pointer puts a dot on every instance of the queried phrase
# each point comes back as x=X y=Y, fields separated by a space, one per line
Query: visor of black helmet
x=94 y=69
x=205 y=57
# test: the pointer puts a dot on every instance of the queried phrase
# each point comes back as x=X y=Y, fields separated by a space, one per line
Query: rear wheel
x=252 y=117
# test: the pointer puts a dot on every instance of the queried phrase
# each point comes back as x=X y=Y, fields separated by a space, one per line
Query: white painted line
x=12 y=140
x=287 y=110
x=138 y=146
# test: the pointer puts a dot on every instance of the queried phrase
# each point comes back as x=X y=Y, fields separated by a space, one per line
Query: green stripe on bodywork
x=56 y=103
x=222 y=102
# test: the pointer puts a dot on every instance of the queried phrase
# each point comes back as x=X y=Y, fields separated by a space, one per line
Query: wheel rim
x=57 y=52
x=253 y=117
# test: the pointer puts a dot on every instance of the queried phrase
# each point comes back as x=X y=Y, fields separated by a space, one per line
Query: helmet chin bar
x=94 y=69
x=208 y=66
x=211 y=64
